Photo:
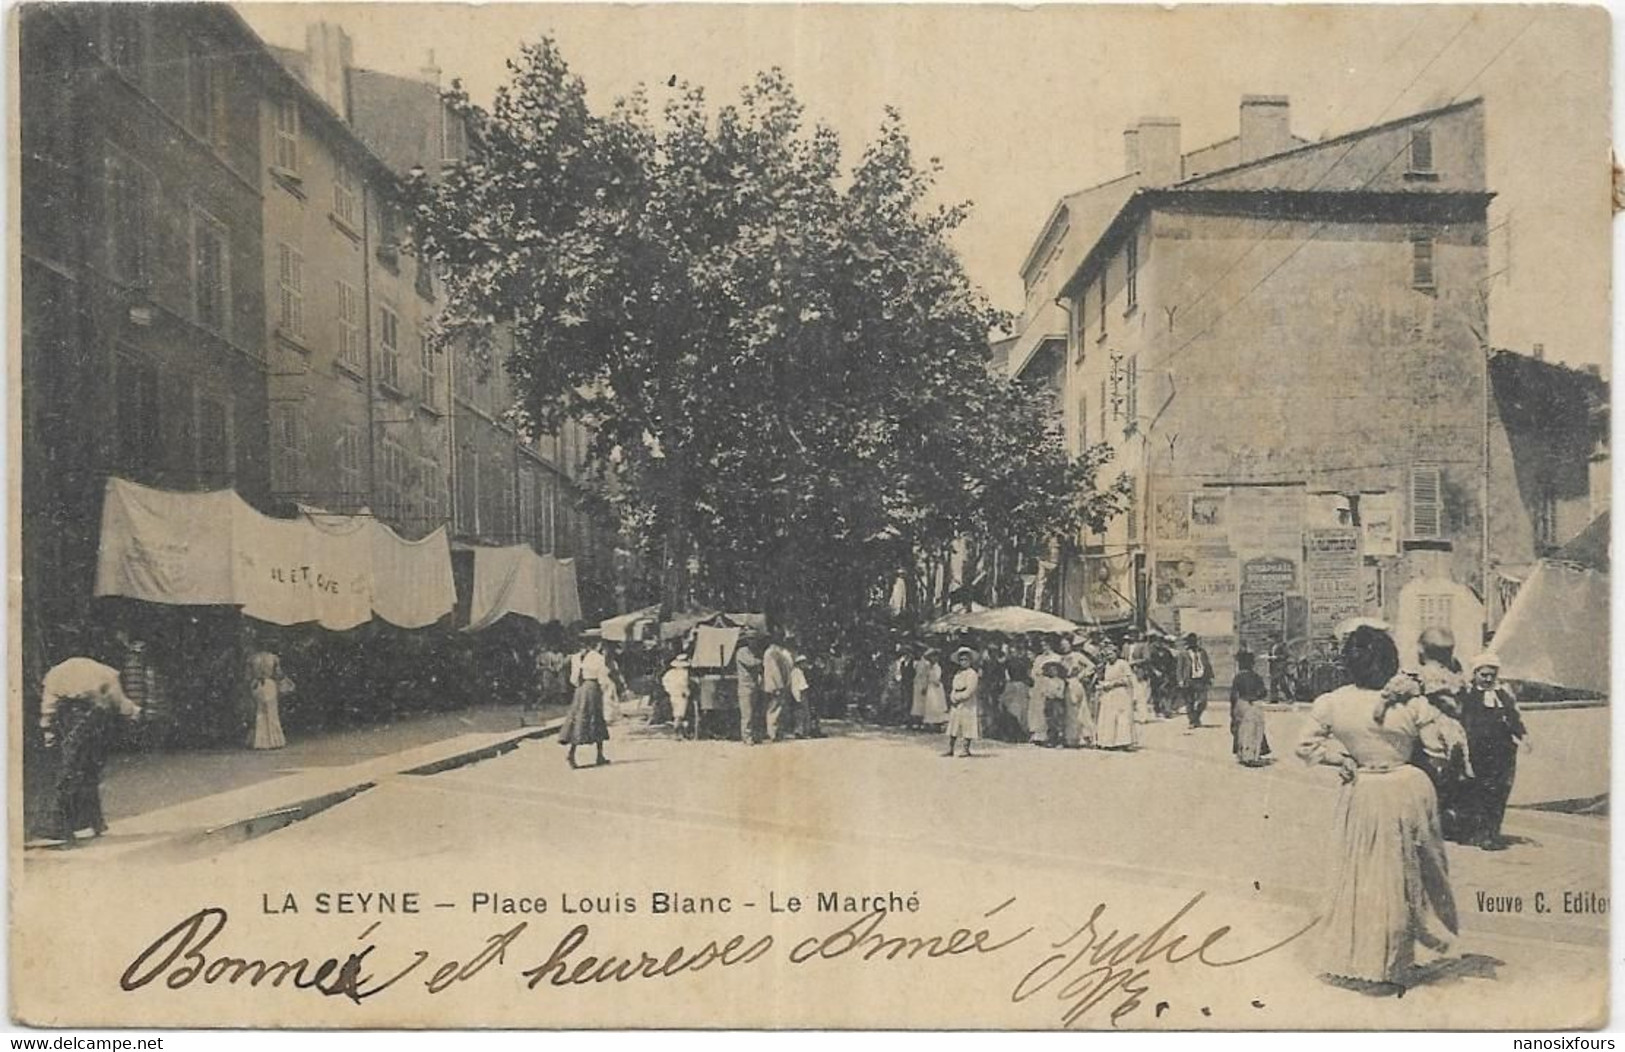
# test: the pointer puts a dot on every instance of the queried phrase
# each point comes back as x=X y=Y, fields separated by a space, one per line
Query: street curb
x=451 y=763
x=188 y=844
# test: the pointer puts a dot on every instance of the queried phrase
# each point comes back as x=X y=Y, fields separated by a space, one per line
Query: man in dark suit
x=1195 y=676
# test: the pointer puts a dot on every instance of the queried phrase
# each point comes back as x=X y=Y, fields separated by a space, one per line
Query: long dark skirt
x=584 y=724
x=83 y=752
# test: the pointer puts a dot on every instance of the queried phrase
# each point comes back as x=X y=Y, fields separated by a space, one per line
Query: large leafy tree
x=783 y=363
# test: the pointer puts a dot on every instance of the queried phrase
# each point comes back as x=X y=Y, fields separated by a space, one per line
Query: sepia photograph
x=778 y=516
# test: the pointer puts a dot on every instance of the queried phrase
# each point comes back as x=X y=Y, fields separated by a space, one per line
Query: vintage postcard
x=809 y=516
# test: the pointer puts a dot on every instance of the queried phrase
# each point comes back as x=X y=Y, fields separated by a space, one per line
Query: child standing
x=964 y=715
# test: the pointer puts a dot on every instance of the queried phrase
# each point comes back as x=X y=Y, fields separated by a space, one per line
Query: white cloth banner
x=166 y=547
x=213 y=548
x=289 y=571
x=411 y=580
x=515 y=580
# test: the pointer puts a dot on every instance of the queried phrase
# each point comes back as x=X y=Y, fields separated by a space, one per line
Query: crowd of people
x=770 y=684
x=1074 y=691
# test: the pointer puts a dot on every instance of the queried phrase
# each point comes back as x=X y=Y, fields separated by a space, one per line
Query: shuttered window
x=1421 y=259
x=1422 y=150
x=287 y=136
x=349 y=326
x=389 y=335
x=291 y=272
x=1427 y=502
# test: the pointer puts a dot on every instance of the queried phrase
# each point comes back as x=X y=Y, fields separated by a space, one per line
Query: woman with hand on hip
x=1390 y=887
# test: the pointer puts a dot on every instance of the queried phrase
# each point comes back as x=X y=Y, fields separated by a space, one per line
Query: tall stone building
x=143 y=297
x=440 y=449
x=1285 y=345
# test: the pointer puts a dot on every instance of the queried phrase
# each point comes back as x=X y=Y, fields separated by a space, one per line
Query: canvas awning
x=1556 y=631
x=623 y=628
x=201 y=549
x=682 y=624
x=516 y=580
x=1009 y=620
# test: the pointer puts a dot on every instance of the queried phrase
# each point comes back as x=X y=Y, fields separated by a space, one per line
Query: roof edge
x=1359 y=133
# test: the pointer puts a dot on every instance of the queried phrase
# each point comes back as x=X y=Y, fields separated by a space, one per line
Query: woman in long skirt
x=935 y=711
x=1390 y=886
x=265 y=685
x=1247 y=694
x=921 y=686
x=1116 y=727
x=1016 y=697
x=585 y=725
x=1080 y=724
x=1142 y=693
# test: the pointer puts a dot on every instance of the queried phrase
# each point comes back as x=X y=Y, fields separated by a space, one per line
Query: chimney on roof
x=1158 y=148
x=1131 y=150
x=1539 y=352
x=430 y=71
x=329 y=57
x=1266 y=126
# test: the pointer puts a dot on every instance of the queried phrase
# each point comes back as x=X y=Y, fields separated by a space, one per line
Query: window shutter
x=1427 y=514
x=1422 y=150
x=1422 y=259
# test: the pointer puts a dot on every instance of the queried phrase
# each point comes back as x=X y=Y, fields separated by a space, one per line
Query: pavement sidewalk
x=208 y=797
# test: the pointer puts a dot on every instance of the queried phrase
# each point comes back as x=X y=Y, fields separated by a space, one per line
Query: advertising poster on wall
x=1263 y=617
x=1175 y=580
x=1335 y=576
x=1209 y=515
x=1267 y=520
x=1379 y=524
x=1173 y=517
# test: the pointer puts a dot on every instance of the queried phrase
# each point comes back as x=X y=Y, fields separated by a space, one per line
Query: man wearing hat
x=1195 y=677
x=964 y=707
x=1489 y=715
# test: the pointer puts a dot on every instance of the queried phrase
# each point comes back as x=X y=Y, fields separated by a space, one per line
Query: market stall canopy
x=682 y=624
x=205 y=549
x=516 y=580
x=1550 y=633
x=1591 y=548
x=623 y=628
x=1008 y=620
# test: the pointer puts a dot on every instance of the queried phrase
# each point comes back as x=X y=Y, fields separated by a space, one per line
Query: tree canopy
x=783 y=363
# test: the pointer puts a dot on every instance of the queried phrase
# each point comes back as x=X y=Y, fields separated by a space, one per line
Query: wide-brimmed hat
x=1488 y=659
x=679 y=661
x=964 y=653
x=1053 y=668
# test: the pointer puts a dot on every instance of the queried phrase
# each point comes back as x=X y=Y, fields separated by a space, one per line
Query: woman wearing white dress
x=935 y=711
x=1390 y=884
x=266 y=685
x=923 y=664
x=1116 y=724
